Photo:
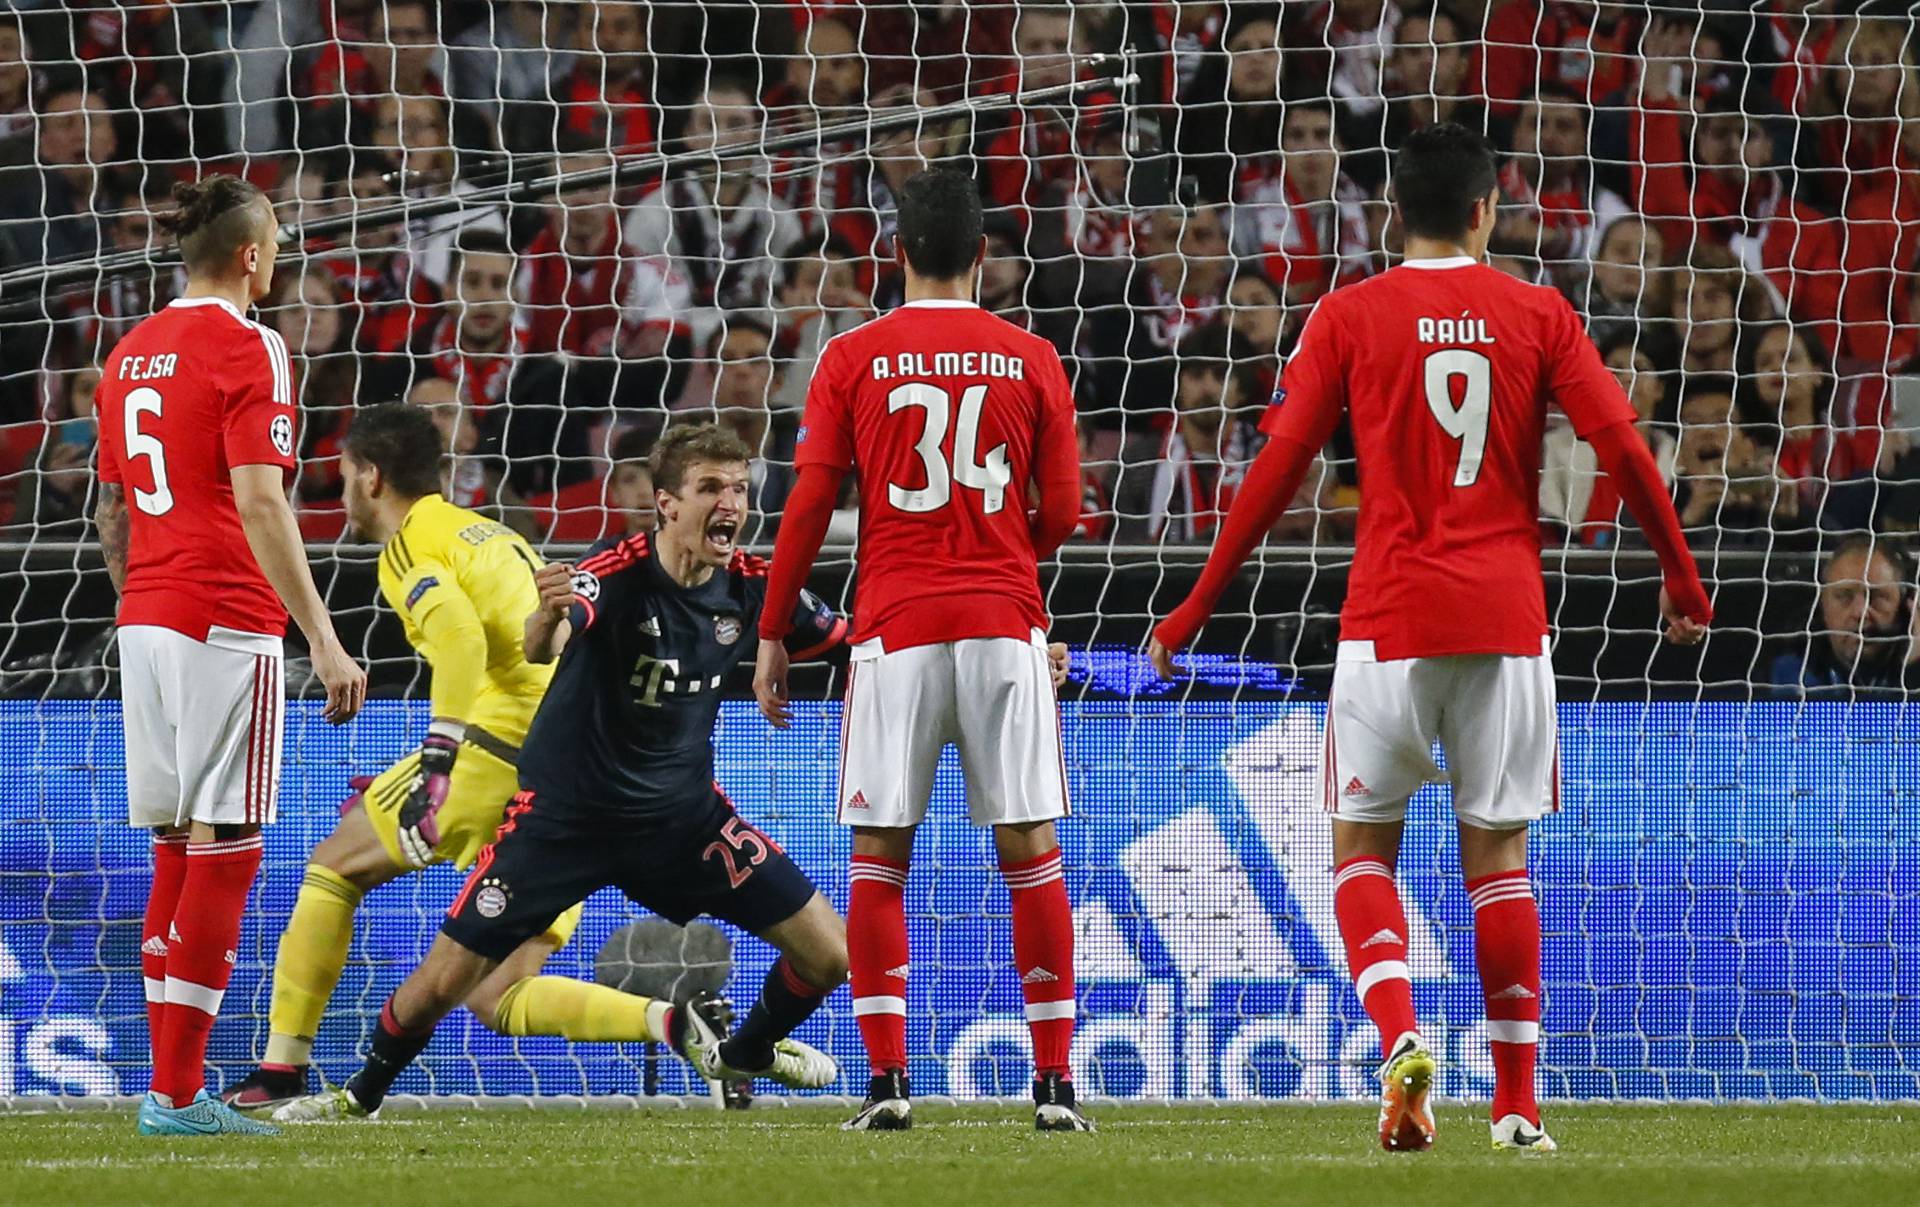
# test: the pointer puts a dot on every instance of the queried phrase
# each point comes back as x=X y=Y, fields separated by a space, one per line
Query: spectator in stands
x=1785 y=398
x=630 y=493
x=819 y=298
x=502 y=67
x=1576 y=498
x=1257 y=314
x=1627 y=292
x=826 y=84
x=1716 y=299
x=949 y=50
x=1240 y=116
x=1099 y=222
x=16 y=82
x=1177 y=483
x=478 y=338
x=1854 y=117
x=577 y=270
x=47 y=207
x=1727 y=478
x=1007 y=286
x=1581 y=45
x=1028 y=153
x=1360 y=33
x=474 y=475
x=53 y=499
x=393 y=300
x=1866 y=625
x=867 y=222
x=1725 y=184
x=1427 y=75
x=306 y=194
x=715 y=226
x=153 y=59
x=1551 y=203
x=305 y=310
x=607 y=98
x=1298 y=214
x=398 y=54
x=617 y=505
x=1179 y=284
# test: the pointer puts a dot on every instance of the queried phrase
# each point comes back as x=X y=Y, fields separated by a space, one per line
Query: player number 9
x=1466 y=423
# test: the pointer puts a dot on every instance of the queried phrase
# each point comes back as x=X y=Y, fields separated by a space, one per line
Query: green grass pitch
x=1620 y=1156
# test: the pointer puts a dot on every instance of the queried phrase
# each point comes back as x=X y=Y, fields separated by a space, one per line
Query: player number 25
x=1467 y=422
x=739 y=838
x=158 y=501
x=989 y=475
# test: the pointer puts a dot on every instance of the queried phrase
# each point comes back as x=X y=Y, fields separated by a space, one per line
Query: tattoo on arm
x=110 y=519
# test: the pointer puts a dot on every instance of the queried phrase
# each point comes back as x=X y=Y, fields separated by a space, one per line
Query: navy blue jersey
x=626 y=728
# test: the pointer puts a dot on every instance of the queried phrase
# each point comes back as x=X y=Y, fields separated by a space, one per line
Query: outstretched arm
x=1629 y=462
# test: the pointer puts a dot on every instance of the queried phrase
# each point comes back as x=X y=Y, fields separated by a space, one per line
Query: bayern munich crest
x=726 y=629
x=491 y=900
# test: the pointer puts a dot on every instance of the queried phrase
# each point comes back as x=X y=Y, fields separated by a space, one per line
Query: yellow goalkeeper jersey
x=463 y=585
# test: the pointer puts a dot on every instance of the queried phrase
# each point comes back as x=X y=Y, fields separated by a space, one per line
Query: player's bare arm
x=770 y=669
x=547 y=625
x=110 y=521
x=802 y=532
x=274 y=536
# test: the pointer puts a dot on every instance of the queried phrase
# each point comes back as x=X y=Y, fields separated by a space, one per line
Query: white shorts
x=991 y=697
x=1493 y=715
x=202 y=722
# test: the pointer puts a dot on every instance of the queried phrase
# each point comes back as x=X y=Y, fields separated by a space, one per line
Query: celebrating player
x=617 y=787
x=196 y=424
x=462 y=586
x=1446 y=367
x=951 y=416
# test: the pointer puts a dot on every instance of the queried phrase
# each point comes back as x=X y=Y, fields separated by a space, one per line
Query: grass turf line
x=1631 y=1156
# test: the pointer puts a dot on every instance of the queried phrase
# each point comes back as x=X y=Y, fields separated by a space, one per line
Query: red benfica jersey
x=188 y=394
x=1447 y=367
x=942 y=410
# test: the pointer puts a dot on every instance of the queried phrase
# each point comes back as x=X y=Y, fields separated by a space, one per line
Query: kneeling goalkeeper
x=462 y=586
x=617 y=788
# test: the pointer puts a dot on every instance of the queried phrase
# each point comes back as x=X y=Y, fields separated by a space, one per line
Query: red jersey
x=188 y=394
x=944 y=411
x=1446 y=367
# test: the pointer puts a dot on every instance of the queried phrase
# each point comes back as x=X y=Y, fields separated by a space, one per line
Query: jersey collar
x=223 y=303
x=940 y=304
x=1442 y=262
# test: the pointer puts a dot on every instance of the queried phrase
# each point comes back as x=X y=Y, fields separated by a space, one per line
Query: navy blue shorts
x=547 y=857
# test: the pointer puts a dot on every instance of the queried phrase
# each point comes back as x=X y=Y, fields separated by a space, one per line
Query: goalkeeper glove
x=420 y=812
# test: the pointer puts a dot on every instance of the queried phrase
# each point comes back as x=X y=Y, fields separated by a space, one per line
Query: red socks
x=1043 y=955
x=1373 y=926
x=1506 y=925
x=199 y=959
x=163 y=895
x=877 y=958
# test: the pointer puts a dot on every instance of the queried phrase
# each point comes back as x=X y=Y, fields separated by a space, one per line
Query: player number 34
x=989 y=475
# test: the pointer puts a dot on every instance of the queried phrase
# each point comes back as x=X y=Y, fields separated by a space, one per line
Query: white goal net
x=1729 y=191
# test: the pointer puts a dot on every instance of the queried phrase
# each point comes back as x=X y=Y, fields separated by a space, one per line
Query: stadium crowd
x=1730 y=193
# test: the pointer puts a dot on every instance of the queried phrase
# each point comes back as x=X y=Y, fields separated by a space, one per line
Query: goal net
x=562 y=226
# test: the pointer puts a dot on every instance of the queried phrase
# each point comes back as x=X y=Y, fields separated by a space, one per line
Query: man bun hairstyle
x=1440 y=172
x=401 y=442
x=214 y=217
x=939 y=222
x=686 y=443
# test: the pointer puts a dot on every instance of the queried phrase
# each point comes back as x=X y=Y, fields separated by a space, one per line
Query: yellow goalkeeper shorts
x=478 y=792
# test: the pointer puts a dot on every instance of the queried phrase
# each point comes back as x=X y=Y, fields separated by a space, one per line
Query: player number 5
x=1467 y=422
x=158 y=501
x=989 y=475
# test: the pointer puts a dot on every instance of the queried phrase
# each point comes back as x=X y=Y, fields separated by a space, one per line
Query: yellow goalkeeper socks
x=312 y=952
x=558 y=1005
